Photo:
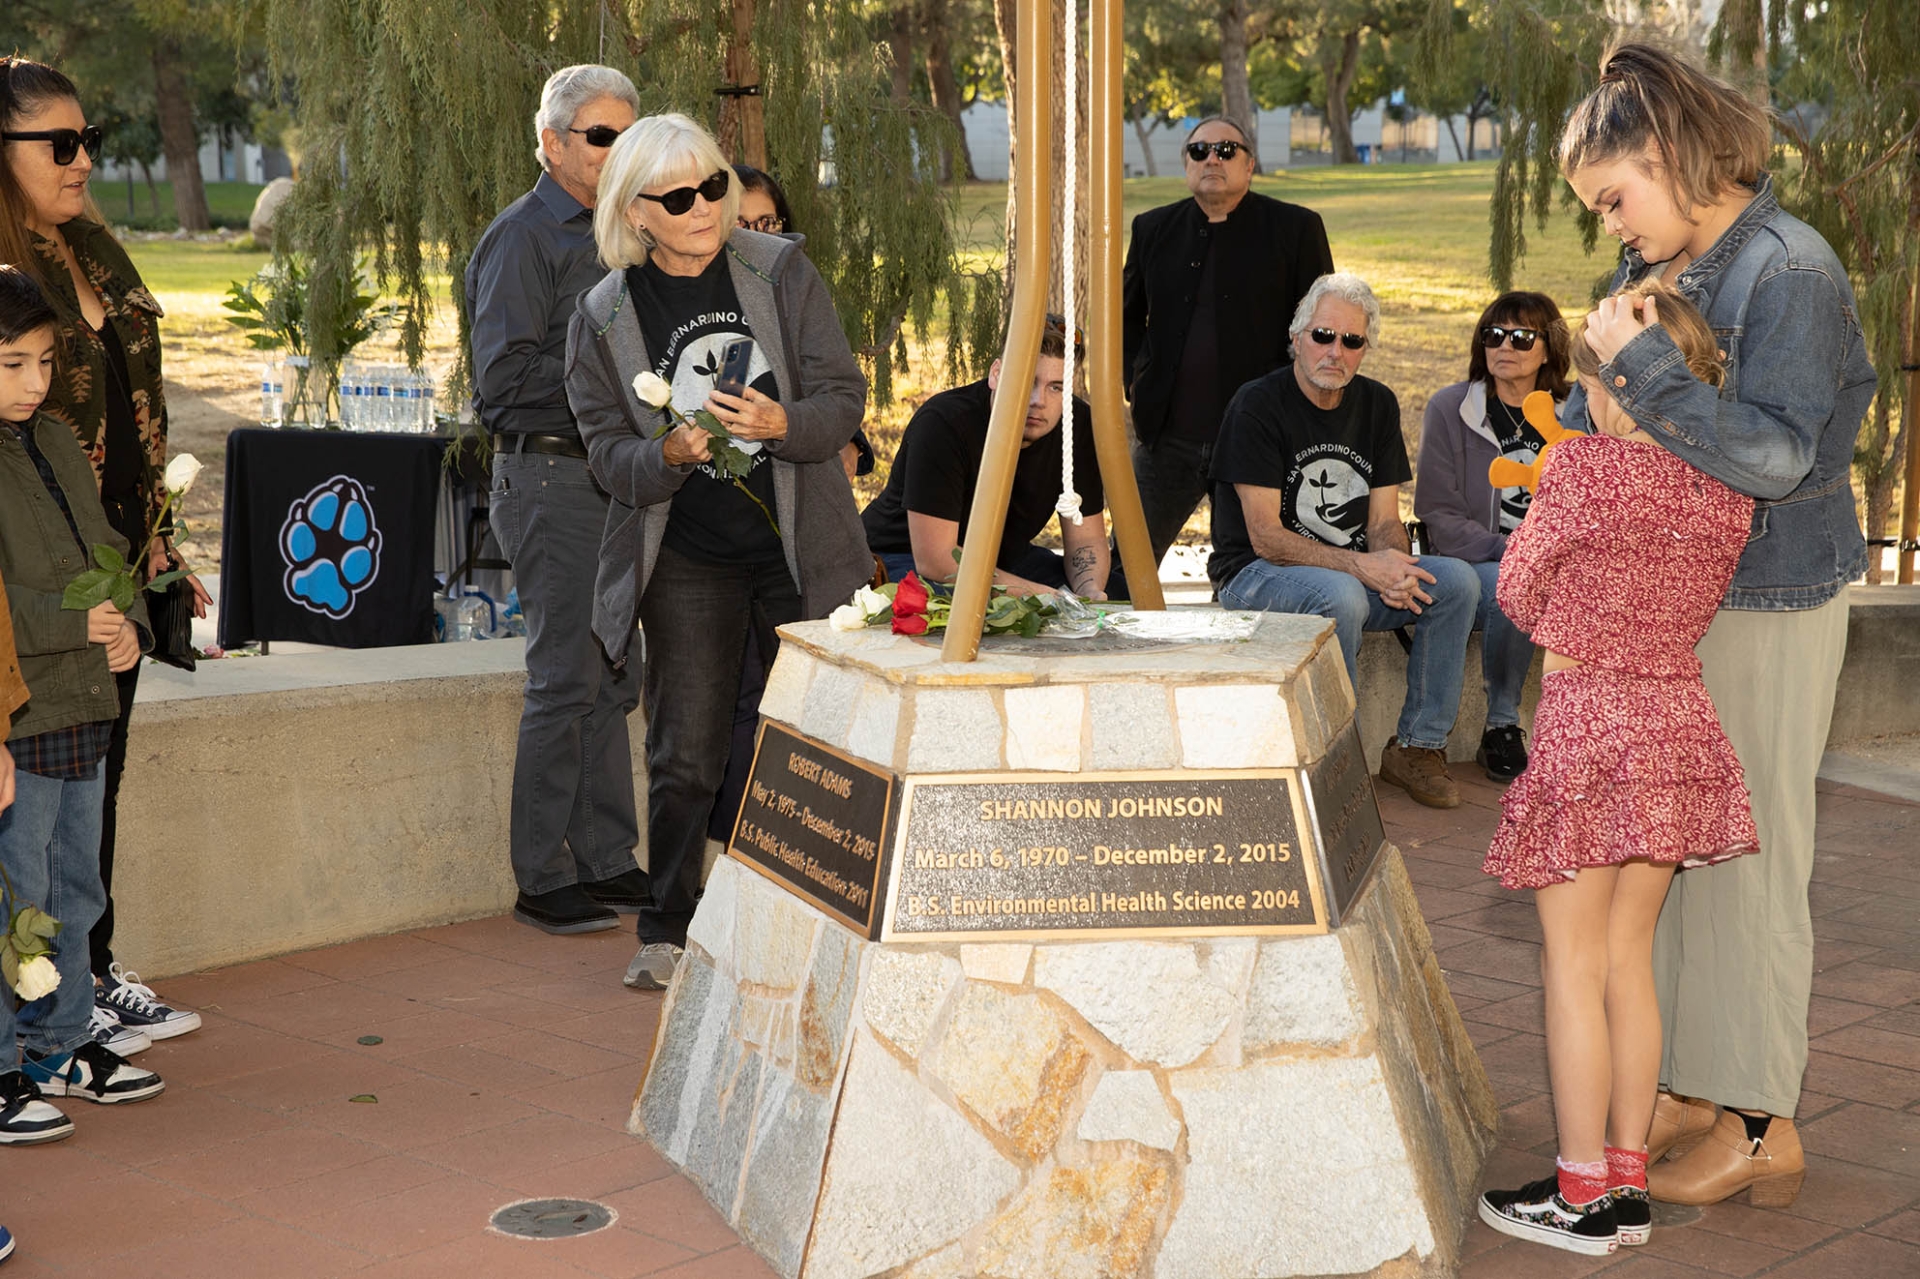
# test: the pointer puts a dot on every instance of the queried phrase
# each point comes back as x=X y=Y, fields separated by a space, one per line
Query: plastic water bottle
x=383 y=416
x=350 y=395
x=273 y=394
x=423 y=398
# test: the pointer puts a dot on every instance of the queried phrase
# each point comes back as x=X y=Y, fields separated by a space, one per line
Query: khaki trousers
x=1733 y=953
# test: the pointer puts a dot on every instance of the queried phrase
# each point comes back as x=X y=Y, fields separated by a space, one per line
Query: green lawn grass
x=229 y=203
x=181 y=269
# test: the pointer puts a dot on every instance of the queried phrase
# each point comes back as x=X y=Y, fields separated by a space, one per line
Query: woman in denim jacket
x=1673 y=162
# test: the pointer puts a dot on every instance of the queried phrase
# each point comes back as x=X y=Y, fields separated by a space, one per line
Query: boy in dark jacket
x=50 y=518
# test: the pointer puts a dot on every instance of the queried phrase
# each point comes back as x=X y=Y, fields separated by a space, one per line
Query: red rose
x=913 y=624
x=910 y=598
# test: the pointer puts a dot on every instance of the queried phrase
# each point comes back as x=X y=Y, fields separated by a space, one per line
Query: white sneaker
x=653 y=967
x=137 y=1006
x=111 y=1032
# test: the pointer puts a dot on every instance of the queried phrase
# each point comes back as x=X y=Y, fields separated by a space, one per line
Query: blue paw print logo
x=331 y=546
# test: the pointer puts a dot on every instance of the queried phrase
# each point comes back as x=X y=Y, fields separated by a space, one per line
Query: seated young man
x=920 y=518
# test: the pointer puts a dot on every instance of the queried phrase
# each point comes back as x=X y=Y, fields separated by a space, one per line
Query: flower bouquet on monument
x=913 y=606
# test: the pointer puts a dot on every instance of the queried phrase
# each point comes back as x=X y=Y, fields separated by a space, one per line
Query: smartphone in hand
x=735 y=363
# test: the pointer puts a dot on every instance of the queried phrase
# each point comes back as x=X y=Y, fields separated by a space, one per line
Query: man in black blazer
x=1210 y=287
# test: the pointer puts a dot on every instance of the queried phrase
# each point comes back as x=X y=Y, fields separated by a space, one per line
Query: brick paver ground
x=508 y=1060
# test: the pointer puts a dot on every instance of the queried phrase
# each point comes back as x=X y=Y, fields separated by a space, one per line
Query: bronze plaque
x=815 y=820
x=1143 y=854
x=1346 y=820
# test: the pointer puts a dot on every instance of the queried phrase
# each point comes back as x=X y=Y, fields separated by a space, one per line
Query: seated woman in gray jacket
x=1519 y=346
x=708 y=559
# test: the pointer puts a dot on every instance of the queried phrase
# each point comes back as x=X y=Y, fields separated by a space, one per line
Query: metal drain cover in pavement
x=552 y=1218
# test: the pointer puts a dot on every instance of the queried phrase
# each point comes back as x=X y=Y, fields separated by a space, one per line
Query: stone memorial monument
x=1086 y=958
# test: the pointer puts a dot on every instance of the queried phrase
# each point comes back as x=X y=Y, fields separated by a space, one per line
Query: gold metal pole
x=1032 y=180
x=1104 y=374
x=1910 y=500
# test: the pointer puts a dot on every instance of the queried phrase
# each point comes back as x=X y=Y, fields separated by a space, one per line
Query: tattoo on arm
x=1080 y=570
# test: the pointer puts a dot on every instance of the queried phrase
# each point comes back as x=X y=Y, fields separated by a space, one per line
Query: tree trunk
x=178 y=137
x=153 y=191
x=1906 y=447
x=1140 y=132
x=1006 y=22
x=1339 y=84
x=1879 y=493
x=936 y=21
x=1080 y=243
x=1236 y=94
x=743 y=119
x=900 y=48
x=1455 y=135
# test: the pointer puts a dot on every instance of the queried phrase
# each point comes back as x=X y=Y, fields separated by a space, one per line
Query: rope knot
x=1068 y=507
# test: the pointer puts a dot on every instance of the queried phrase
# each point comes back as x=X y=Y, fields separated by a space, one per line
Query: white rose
x=848 y=617
x=38 y=977
x=181 y=473
x=871 y=602
x=652 y=389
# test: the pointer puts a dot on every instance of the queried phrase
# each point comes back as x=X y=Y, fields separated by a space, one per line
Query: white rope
x=1069 y=504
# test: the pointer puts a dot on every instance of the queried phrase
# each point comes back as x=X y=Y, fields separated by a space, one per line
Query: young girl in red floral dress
x=1617 y=572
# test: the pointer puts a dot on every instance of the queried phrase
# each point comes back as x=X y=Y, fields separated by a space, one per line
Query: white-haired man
x=1306 y=519
x=573 y=824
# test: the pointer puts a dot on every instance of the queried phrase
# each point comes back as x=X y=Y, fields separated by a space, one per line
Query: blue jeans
x=573 y=814
x=1437 y=667
x=50 y=845
x=1506 y=653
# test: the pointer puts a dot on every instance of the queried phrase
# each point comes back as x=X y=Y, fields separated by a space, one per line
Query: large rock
x=266 y=210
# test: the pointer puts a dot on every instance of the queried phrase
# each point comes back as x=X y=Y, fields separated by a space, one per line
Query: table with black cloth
x=329 y=538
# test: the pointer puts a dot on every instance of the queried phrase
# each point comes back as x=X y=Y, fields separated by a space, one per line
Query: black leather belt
x=532 y=442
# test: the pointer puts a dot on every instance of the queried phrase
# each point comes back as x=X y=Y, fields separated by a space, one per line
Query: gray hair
x=1246 y=139
x=569 y=89
x=660 y=148
x=1348 y=288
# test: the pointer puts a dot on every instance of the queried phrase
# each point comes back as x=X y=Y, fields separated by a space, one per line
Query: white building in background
x=241 y=162
x=1287 y=137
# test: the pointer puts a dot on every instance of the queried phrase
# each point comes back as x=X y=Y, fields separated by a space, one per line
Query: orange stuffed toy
x=1505 y=472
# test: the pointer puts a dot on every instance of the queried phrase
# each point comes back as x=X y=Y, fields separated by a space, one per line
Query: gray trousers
x=573 y=812
x=1733 y=953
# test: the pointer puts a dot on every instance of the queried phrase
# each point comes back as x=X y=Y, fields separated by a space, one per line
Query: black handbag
x=170 y=615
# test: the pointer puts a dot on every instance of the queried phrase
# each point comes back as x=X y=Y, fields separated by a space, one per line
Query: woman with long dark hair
x=109 y=392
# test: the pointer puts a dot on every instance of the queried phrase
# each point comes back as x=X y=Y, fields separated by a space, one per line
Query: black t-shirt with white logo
x=1324 y=462
x=1519 y=442
x=687 y=322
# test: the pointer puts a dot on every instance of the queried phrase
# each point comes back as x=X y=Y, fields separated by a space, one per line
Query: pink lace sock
x=1626 y=1168
x=1582 y=1183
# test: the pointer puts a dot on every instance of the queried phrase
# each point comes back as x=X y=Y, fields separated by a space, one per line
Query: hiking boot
x=1539 y=1212
x=1502 y=753
x=564 y=911
x=1420 y=772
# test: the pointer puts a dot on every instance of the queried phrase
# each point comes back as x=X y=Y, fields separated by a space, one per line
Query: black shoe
x=1633 y=1210
x=1503 y=752
x=1537 y=1212
x=629 y=892
x=564 y=910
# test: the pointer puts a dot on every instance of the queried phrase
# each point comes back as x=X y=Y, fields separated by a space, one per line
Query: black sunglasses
x=1197 y=151
x=1494 y=334
x=680 y=199
x=1325 y=337
x=598 y=135
x=66 y=142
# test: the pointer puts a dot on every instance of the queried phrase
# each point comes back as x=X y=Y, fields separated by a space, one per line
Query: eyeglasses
x=1198 y=151
x=1522 y=339
x=66 y=142
x=597 y=135
x=680 y=199
x=772 y=223
x=1325 y=337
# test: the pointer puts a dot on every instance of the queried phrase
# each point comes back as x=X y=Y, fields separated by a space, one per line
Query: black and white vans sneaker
x=1538 y=1212
x=26 y=1120
x=95 y=1073
x=1633 y=1211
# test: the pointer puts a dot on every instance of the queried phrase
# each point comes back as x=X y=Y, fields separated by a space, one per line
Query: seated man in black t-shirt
x=920 y=518
x=1306 y=519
